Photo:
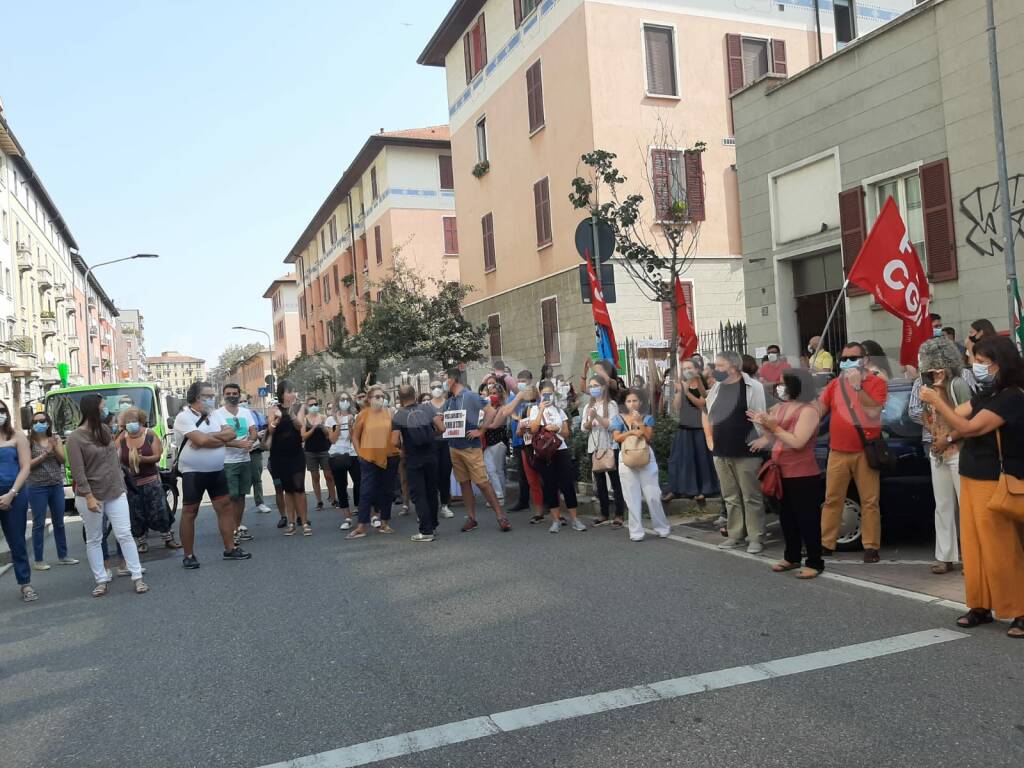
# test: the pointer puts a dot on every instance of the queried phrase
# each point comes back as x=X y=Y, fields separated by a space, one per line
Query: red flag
x=606 y=346
x=889 y=268
x=914 y=335
x=687 y=333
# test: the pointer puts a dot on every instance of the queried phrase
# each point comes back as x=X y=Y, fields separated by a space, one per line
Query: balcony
x=71 y=308
x=44 y=279
x=91 y=301
x=48 y=325
x=60 y=293
x=24 y=259
x=94 y=331
x=72 y=341
x=8 y=360
x=48 y=373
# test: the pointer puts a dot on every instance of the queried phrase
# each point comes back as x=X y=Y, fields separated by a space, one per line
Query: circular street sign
x=585 y=239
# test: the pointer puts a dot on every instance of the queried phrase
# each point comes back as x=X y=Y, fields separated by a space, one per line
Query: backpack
x=417 y=426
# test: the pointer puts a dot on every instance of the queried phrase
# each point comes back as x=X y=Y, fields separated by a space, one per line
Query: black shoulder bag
x=876 y=452
x=175 y=471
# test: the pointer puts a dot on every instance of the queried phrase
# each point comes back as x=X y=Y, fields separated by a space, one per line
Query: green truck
x=62 y=404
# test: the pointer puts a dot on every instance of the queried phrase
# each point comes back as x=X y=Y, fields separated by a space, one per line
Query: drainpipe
x=817 y=26
x=355 y=285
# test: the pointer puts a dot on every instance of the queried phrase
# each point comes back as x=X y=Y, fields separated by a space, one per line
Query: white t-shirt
x=343 y=445
x=241 y=422
x=198 y=459
x=552 y=415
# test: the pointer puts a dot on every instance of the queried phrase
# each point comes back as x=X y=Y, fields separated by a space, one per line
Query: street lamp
x=270 y=344
x=88 y=274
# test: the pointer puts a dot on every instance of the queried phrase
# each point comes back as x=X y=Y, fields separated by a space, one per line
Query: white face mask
x=436 y=393
x=773 y=357
x=344 y=405
x=3 y=419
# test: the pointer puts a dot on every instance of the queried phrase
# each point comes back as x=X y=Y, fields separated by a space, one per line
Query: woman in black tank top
x=287 y=457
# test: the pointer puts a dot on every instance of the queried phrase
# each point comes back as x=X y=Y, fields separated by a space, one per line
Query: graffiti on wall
x=982 y=209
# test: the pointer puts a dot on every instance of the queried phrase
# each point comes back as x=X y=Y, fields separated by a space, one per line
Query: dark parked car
x=906 y=489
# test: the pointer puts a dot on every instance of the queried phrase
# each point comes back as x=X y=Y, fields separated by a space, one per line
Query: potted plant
x=48 y=314
x=481 y=168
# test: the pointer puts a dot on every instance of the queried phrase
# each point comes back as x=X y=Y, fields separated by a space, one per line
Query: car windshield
x=895 y=416
x=65 y=407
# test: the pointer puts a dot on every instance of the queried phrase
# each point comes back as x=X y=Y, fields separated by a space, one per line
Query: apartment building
x=905 y=113
x=251 y=375
x=96 y=323
x=174 y=372
x=284 y=306
x=396 y=197
x=130 y=346
x=37 y=279
x=534 y=84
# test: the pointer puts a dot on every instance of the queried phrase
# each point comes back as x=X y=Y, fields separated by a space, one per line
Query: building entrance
x=817 y=281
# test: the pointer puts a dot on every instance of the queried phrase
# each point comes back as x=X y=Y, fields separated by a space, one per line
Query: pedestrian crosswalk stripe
x=566 y=709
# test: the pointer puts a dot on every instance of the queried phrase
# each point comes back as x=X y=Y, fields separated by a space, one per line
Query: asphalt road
x=319 y=643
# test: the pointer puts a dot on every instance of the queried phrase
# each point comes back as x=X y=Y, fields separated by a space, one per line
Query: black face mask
x=232 y=399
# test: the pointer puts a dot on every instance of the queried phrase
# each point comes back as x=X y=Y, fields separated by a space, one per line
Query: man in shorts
x=467 y=455
x=237 y=463
x=201 y=438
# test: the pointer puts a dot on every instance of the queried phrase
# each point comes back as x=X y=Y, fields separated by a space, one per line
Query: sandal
x=785 y=565
x=141 y=587
x=290 y=530
x=617 y=522
x=100 y=589
x=599 y=521
x=356 y=534
x=974 y=617
x=1016 y=630
x=939 y=568
x=808 y=573
x=28 y=594
x=307 y=529
x=536 y=519
x=385 y=528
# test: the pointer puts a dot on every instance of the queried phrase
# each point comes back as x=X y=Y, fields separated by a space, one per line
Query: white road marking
x=582 y=706
x=919 y=597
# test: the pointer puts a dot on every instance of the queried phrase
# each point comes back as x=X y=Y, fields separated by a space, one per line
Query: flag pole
x=828 y=323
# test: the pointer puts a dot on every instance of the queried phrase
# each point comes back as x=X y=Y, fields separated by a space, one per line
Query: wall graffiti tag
x=981 y=207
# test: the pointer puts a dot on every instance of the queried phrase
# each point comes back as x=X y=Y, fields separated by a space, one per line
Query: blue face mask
x=720 y=375
x=936 y=332
x=521 y=386
x=849 y=365
x=40 y=428
x=595 y=392
x=314 y=409
x=210 y=402
x=982 y=373
x=132 y=427
x=104 y=412
x=547 y=397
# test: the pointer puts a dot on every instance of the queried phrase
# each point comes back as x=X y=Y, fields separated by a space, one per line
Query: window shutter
x=694 y=185
x=451 y=235
x=494 y=335
x=939 y=235
x=468 y=54
x=660 y=182
x=376 y=242
x=373 y=182
x=853 y=227
x=549 y=321
x=542 y=211
x=779 y=66
x=734 y=54
x=661 y=74
x=535 y=96
x=666 y=319
x=337 y=285
x=487 y=227
x=517 y=6
x=445 y=170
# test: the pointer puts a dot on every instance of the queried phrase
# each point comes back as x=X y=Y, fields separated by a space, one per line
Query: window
x=523 y=8
x=474 y=45
x=542 y=211
x=755 y=58
x=494 y=335
x=279 y=330
x=751 y=57
x=487 y=225
x=326 y=290
x=666 y=308
x=337 y=286
x=5 y=225
x=906 y=191
x=444 y=163
x=549 y=325
x=373 y=182
x=846 y=26
x=481 y=140
x=535 y=97
x=332 y=225
x=323 y=242
x=660 y=54
x=451 y=236
x=669 y=180
x=377 y=245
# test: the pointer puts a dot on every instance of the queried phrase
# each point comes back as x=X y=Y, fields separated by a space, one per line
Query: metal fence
x=729 y=336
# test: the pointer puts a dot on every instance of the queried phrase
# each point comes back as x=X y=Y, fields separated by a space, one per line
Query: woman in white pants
x=940 y=364
x=496 y=436
x=640 y=484
x=99 y=489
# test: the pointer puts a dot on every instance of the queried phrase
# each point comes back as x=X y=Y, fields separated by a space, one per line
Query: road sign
x=607 y=283
x=585 y=239
x=263 y=391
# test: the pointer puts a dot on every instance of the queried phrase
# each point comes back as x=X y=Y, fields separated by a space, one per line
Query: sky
x=208 y=133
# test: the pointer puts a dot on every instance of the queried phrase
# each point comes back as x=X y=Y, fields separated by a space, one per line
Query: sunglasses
x=848 y=358
x=44 y=421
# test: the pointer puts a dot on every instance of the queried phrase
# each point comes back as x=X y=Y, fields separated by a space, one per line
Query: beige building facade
x=284 y=307
x=532 y=86
x=905 y=112
x=174 y=372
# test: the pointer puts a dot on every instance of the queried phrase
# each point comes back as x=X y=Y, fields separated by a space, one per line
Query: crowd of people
x=746 y=430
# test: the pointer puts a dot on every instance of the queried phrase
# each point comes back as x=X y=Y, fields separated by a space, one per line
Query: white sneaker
x=730 y=544
x=375 y=521
x=555 y=527
x=346 y=525
x=578 y=525
x=404 y=510
x=755 y=548
x=68 y=561
x=39 y=565
x=421 y=537
x=445 y=512
x=263 y=508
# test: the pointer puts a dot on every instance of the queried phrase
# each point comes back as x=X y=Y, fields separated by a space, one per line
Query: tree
x=232 y=355
x=656 y=250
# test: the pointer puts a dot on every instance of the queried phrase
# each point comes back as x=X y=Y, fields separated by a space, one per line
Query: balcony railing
x=48 y=327
x=93 y=331
x=44 y=279
x=24 y=259
x=72 y=341
x=8 y=359
x=60 y=293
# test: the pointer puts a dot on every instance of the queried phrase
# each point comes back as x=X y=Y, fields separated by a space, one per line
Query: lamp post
x=88 y=318
x=270 y=344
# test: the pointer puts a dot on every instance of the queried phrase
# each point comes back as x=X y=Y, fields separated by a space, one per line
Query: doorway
x=817 y=282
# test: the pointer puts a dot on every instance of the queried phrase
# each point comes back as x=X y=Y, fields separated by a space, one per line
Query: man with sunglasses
x=237 y=462
x=855 y=400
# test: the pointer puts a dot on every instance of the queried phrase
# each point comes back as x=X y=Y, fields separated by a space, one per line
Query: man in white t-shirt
x=237 y=462
x=201 y=438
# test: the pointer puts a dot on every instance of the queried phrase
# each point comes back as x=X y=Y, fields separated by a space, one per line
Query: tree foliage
x=654 y=253
x=232 y=355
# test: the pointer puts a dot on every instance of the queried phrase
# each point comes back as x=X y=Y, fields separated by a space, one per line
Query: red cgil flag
x=607 y=349
x=687 y=333
x=889 y=268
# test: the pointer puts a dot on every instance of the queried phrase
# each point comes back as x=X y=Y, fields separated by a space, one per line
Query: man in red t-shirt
x=856 y=397
x=771 y=370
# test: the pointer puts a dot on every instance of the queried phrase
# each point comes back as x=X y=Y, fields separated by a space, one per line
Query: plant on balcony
x=347 y=280
x=21 y=344
x=481 y=168
x=48 y=314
